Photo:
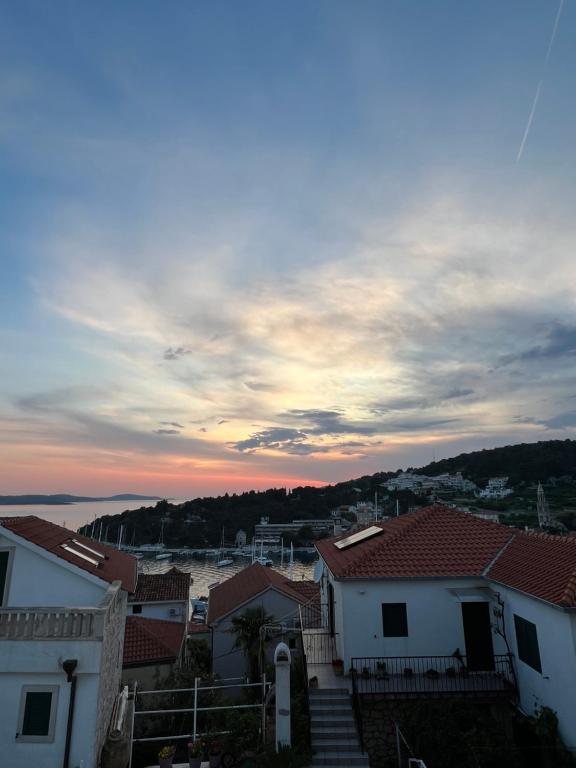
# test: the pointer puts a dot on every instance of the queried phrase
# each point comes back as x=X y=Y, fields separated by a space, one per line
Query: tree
x=248 y=628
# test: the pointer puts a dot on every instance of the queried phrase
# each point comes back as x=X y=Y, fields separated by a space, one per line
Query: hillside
x=199 y=522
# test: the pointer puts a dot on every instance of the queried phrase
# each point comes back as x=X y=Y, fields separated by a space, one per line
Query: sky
x=256 y=244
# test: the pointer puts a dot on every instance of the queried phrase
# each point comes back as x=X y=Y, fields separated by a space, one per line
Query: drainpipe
x=69 y=666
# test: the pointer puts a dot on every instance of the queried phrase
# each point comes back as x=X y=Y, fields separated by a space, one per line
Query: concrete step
x=334 y=722
x=317 y=732
x=328 y=692
x=329 y=711
x=342 y=745
x=325 y=701
x=338 y=759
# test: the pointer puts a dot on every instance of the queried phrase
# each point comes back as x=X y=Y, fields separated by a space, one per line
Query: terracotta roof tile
x=162 y=587
x=540 y=565
x=243 y=586
x=117 y=566
x=432 y=541
x=441 y=542
x=148 y=641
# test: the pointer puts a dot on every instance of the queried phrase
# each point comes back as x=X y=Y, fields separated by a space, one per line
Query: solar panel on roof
x=73 y=551
x=367 y=533
x=88 y=549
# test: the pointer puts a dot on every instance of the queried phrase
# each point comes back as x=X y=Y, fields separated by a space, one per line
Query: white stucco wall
x=36 y=581
x=434 y=615
x=555 y=687
x=228 y=661
x=162 y=610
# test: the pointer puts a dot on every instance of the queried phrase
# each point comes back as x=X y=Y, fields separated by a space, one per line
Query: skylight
x=73 y=551
x=367 y=533
x=88 y=549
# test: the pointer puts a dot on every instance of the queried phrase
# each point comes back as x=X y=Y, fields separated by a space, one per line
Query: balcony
x=431 y=677
x=51 y=623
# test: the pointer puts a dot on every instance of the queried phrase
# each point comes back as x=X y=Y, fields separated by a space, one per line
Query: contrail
x=539 y=88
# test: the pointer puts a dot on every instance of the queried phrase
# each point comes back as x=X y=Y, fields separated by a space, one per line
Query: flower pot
x=338 y=669
x=166 y=762
x=194 y=762
x=215 y=761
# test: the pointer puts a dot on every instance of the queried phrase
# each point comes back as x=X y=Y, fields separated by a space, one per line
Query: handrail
x=357 y=710
x=432 y=675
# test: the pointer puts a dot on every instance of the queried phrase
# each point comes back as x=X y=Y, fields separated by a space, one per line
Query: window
x=4 y=566
x=527 y=642
x=136 y=609
x=394 y=620
x=37 y=718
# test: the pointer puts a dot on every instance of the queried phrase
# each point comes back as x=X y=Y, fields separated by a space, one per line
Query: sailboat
x=162 y=555
x=262 y=559
x=224 y=560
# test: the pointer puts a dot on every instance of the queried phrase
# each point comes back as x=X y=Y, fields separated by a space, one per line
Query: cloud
x=327 y=422
x=172 y=424
x=166 y=431
x=559 y=341
x=175 y=353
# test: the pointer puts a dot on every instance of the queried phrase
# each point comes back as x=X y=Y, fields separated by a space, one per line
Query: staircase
x=333 y=729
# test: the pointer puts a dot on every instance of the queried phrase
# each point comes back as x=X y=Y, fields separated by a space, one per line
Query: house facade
x=475 y=594
x=254 y=587
x=163 y=596
x=62 y=612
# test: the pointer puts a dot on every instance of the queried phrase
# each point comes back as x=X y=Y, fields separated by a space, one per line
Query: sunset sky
x=266 y=243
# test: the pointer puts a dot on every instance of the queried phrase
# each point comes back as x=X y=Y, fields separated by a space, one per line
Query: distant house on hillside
x=163 y=596
x=62 y=612
x=440 y=601
x=255 y=586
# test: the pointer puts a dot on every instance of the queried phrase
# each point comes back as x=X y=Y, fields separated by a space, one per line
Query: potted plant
x=214 y=753
x=165 y=756
x=195 y=752
x=338 y=667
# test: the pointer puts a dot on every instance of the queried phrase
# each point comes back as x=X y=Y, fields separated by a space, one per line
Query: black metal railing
x=313 y=616
x=405 y=676
x=357 y=708
x=319 y=646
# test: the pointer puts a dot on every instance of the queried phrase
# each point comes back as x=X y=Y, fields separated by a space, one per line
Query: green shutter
x=394 y=620
x=37 y=713
x=3 y=573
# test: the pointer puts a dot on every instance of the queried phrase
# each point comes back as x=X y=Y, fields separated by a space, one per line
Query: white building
x=63 y=606
x=496 y=488
x=493 y=600
x=164 y=596
x=253 y=587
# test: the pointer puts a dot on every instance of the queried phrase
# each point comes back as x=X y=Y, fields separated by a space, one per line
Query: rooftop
x=248 y=583
x=148 y=641
x=98 y=559
x=438 y=541
x=162 y=587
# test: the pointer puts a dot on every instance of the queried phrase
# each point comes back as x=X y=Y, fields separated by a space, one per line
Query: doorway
x=478 y=636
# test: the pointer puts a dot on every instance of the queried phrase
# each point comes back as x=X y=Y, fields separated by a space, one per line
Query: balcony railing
x=51 y=623
x=431 y=676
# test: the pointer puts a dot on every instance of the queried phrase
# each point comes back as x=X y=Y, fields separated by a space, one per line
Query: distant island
x=201 y=522
x=66 y=498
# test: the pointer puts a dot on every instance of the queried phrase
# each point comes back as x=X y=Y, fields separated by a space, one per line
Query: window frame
x=404 y=620
x=47 y=738
x=7 y=580
x=524 y=660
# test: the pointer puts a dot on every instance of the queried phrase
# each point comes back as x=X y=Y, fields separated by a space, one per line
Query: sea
x=201 y=565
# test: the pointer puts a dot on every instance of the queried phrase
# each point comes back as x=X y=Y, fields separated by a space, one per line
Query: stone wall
x=111 y=666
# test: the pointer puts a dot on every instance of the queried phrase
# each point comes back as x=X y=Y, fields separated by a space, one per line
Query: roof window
x=73 y=551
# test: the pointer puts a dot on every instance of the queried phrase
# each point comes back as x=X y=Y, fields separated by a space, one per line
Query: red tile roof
x=115 y=566
x=152 y=641
x=441 y=542
x=433 y=541
x=243 y=586
x=162 y=587
x=540 y=565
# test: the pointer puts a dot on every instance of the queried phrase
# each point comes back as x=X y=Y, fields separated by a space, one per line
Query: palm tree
x=248 y=630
